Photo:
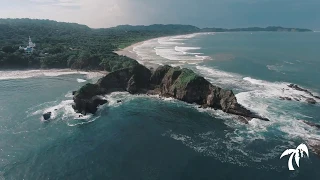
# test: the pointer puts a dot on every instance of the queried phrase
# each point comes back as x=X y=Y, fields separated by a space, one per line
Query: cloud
x=61 y=3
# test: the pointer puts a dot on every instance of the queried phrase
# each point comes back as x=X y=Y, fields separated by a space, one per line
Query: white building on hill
x=29 y=48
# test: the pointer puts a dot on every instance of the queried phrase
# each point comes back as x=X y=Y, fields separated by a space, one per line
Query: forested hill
x=253 y=29
x=159 y=28
x=71 y=45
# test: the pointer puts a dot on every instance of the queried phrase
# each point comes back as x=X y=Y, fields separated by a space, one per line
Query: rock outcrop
x=312 y=124
x=286 y=98
x=182 y=84
x=86 y=100
x=47 y=116
x=311 y=101
x=296 y=87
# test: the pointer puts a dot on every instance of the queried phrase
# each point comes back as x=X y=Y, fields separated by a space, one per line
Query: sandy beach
x=129 y=52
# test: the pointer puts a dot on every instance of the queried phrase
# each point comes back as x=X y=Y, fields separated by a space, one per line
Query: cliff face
x=181 y=84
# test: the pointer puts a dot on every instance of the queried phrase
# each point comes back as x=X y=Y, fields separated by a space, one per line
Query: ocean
x=149 y=137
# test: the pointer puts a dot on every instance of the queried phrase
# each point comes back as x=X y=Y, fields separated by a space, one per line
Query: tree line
x=70 y=45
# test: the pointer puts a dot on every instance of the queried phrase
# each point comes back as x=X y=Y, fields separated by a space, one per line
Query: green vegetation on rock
x=182 y=77
x=186 y=76
x=88 y=90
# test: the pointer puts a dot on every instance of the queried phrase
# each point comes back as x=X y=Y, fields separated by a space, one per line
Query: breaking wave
x=169 y=50
x=258 y=95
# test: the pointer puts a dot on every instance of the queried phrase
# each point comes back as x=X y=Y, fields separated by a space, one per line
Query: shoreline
x=129 y=52
x=7 y=74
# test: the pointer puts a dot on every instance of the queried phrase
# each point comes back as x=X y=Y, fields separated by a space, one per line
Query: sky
x=201 y=13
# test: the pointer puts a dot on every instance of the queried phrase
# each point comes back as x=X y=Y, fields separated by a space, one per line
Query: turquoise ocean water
x=152 y=138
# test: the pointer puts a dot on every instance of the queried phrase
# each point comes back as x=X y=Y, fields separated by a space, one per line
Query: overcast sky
x=202 y=13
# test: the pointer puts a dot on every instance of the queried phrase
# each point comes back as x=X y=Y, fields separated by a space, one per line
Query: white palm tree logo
x=297 y=153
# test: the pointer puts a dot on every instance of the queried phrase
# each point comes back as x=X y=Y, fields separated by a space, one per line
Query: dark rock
x=311 y=101
x=119 y=101
x=74 y=92
x=159 y=74
x=296 y=87
x=135 y=78
x=311 y=124
x=167 y=81
x=204 y=106
x=291 y=85
x=243 y=120
x=286 y=98
x=316 y=149
x=47 y=115
x=90 y=105
x=296 y=99
x=132 y=85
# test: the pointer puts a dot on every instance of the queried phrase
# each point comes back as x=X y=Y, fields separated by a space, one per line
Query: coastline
x=6 y=74
x=129 y=52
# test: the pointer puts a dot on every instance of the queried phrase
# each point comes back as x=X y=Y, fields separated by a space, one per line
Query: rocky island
x=179 y=83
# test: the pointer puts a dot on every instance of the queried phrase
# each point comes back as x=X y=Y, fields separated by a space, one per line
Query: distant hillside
x=174 y=28
x=251 y=29
x=15 y=30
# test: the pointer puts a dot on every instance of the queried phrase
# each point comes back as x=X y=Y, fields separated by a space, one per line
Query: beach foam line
x=185 y=49
x=81 y=80
x=24 y=74
x=158 y=51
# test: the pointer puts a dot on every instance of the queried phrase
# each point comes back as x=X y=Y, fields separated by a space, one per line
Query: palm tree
x=297 y=153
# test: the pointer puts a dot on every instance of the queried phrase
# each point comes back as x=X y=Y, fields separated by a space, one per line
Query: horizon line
x=157 y=24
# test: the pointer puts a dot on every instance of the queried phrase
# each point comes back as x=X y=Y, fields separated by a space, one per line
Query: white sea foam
x=55 y=110
x=69 y=95
x=287 y=62
x=276 y=89
x=177 y=54
x=212 y=144
x=81 y=80
x=276 y=68
x=263 y=97
x=258 y=95
x=168 y=41
x=203 y=57
x=169 y=50
x=24 y=74
x=185 y=50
